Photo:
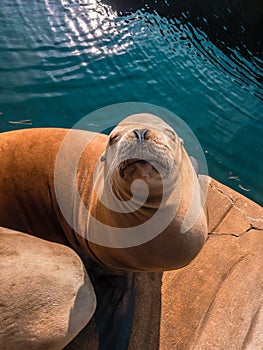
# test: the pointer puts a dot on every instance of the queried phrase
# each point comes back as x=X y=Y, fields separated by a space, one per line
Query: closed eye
x=113 y=139
x=170 y=133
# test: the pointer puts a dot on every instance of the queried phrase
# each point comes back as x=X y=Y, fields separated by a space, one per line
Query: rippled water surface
x=63 y=59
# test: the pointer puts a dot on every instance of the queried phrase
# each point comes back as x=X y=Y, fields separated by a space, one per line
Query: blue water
x=61 y=60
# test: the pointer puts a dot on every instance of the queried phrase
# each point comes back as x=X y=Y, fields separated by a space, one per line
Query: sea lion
x=108 y=218
x=57 y=184
x=46 y=296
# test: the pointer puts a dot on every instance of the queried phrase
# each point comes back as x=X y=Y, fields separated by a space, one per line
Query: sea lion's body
x=48 y=192
x=28 y=200
x=31 y=197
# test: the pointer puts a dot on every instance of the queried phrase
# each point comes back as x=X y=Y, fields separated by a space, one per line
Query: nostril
x=140 y=135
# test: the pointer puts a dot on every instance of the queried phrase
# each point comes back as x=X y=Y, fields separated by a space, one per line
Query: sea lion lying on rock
x=127 y=202
x=31 y=201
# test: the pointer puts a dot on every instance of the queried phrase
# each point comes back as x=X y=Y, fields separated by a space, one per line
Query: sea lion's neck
x=120 y=209
x=119 y=205
x=137 y=193
x=113 y=207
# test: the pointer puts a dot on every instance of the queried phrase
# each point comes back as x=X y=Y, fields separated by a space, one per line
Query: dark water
x=63 y=59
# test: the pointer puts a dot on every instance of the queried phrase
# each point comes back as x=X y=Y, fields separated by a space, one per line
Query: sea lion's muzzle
x=141 y=156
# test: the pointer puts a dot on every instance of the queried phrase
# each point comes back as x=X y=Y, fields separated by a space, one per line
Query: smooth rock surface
x=46 y=296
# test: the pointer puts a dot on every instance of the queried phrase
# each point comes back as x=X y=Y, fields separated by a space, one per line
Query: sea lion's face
x=149 y=151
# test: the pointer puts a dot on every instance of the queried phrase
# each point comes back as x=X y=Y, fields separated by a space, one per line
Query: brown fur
x=29 y=204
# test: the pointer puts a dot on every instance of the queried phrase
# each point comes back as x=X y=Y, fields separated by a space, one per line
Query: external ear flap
x=181 y=141
x=103 y=157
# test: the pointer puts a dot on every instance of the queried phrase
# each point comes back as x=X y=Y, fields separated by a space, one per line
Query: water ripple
x=62 y=59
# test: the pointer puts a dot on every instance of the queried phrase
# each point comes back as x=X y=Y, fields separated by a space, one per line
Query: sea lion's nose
x=140 y=135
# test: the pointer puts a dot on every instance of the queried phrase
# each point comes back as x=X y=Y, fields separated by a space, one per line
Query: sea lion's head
x=142 y=147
